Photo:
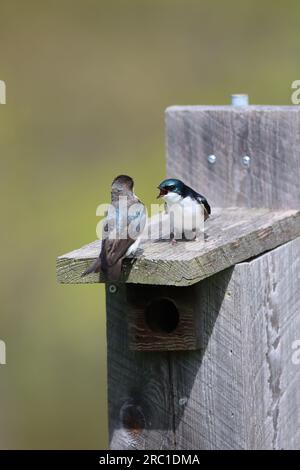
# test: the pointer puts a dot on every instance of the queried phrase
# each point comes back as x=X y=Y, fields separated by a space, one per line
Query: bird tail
x=111 y=272
x=206 y=213
x=94 y=268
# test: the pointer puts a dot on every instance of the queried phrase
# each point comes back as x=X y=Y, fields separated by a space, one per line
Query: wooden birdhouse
x=200 y=341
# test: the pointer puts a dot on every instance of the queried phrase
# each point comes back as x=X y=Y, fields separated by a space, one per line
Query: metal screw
x=211 y=159
x=112 y=288
x=239 y=100
x=182 y=401
x=246 y=161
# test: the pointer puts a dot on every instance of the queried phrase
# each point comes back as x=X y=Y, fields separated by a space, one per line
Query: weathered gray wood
x=139 y=390
x=269 y=135
x=240 y=390
x=209 y=384
x=232 y=235
x=274 y=323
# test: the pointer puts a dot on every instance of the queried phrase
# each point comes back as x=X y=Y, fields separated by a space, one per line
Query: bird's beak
x=162 y=192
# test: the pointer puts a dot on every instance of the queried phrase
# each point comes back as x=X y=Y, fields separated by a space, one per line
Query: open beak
x=162 y=192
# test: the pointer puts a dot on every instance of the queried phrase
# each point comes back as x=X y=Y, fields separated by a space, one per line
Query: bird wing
x=136 y=218
x=114 y=249
x=202 y=200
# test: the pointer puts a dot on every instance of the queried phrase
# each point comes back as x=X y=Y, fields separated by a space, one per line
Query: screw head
x=211 y=159
x=182 y=401
x=246 y=161
x=112 y=288
x=239 y=100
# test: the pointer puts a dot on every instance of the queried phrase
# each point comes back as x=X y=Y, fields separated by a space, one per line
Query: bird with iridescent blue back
x=122 y=229
x=176 y=192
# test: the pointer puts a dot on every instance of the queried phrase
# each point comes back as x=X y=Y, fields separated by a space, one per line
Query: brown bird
x=122 y=229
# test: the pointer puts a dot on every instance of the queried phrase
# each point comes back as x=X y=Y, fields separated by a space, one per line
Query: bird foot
x=173 y=242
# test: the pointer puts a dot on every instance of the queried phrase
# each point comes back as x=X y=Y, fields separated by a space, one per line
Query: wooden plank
x=241 y=390
x=139 y=390
x=209 y=384
x=232 y=235
x=269 y=135
x=273 y=325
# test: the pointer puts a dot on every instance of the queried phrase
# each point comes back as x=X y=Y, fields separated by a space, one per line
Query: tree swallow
x=122 y=229
x=194 y=207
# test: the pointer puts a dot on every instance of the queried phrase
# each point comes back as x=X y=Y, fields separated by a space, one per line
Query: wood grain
x=240 y=390
x=139 y=390
x=269 y=135
x=232 y=235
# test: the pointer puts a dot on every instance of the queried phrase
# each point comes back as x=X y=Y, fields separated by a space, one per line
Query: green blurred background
x=87 y=85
